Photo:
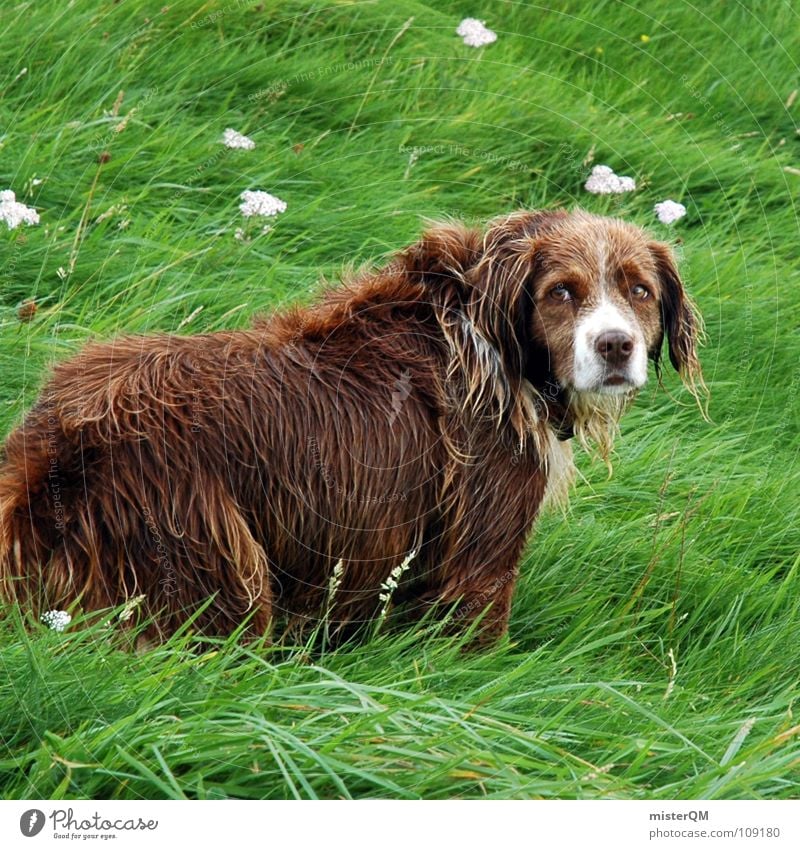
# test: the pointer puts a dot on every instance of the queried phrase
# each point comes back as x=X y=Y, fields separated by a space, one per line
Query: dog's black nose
x=614 y=346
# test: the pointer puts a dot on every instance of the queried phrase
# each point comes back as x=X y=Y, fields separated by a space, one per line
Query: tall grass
x=654 y=649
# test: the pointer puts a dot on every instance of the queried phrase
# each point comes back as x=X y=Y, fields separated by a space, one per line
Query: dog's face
x=598 y=299
x=602 y=296
x=567 y=296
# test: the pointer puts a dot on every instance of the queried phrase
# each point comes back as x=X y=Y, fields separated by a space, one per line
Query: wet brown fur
x=412 y=409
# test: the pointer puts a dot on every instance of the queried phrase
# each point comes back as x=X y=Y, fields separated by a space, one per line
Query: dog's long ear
x=501 y=301
x=480 y=288
x=497 y=309
x=443 y=254
x=680 y=322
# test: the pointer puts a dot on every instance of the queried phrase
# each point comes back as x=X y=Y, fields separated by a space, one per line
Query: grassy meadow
x=654 y=649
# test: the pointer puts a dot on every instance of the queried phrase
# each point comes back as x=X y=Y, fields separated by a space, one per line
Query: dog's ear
x=444 y=253
x=496 y=308
x=680 y=321
x=501 y=300
x=481 y=288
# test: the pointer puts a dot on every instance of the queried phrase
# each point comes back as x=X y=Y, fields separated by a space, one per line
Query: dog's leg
x=205 y=547
x=468 y=589
x=475 y=569
x=488 y=601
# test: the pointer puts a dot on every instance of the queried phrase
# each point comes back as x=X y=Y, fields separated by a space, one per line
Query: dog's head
x=595 y=298
x=567 y=299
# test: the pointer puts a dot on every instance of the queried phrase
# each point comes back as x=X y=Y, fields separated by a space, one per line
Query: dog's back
x=238 y=465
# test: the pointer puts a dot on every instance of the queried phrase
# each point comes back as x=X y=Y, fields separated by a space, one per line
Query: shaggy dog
x=391 y=444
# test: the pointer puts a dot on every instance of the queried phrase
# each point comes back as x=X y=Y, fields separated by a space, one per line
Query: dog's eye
x=560 y=293
x=641 y=293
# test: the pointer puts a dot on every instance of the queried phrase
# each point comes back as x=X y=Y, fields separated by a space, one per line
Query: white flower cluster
x=603 y=181
x=14 y=213
x=56 y=620
x=260 y=203
x=475 y=33
x=130 y=607
x=336 y=578
x=390 y=584
x=669 y=211
x=237 y=141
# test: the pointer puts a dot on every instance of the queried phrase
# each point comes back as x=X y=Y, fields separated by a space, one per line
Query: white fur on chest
x=561 y=471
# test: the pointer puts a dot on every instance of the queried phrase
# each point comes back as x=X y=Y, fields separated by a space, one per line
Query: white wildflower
x=336 y=578
x=334 y=582
x=669 y=211
x=56 y=620
x=261 y=203
x=114 y=209
x=240 y=235
x=237 y=141
x=412 y=161
x=130 y=606
x=673 y=672
x=14 y=213
x=391 y=583
x=32 y=184
x=475 y=33
x=603 y=181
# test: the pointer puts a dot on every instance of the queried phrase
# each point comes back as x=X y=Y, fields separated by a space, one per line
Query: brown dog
x=415 y=415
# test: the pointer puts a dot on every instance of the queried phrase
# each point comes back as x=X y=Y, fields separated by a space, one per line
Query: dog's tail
x=32 y=514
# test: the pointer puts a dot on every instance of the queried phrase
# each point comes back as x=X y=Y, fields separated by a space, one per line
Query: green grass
x=653 y=651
